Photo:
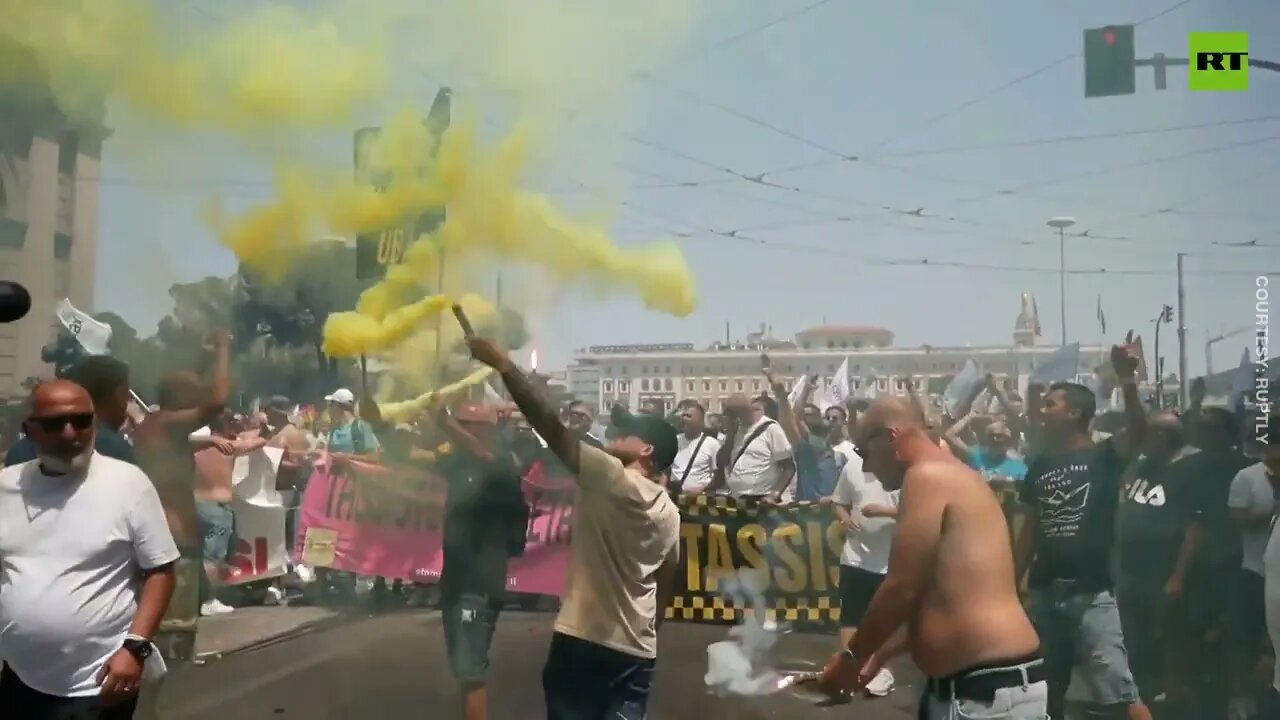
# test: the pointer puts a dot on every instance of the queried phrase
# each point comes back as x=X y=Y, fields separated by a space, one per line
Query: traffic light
x=1109 y=61
x=1166 y=315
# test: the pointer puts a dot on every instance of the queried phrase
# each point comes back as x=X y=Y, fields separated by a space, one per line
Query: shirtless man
x=950 y=582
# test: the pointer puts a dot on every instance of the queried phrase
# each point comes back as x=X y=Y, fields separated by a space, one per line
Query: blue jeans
x=218 y=524
x=586 y=681
x=1081 y=629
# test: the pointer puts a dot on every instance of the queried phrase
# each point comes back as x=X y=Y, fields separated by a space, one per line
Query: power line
x=934 y=120
x=1126 y=166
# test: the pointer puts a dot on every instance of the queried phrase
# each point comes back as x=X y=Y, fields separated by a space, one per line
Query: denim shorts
x=1080 y=629
x=218 y=523
x=469 y=621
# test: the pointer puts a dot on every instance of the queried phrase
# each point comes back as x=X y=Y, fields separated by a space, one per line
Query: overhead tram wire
x=934 y=120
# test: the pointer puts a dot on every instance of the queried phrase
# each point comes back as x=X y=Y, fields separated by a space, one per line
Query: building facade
x=631 y=374
x=49 y=170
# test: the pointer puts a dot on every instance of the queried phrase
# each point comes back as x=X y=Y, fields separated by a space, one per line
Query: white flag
x=92 y=335
x=1061 y=365
x=794 y=396
x=1242 y=384
x=838 y=391
x=962 y=386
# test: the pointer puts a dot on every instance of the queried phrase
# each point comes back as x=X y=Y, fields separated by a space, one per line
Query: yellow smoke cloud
x=274 y=67
x=406 y=410
x=277 y=72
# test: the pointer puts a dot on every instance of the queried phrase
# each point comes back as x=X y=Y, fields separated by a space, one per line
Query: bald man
x=950 y=583
x=87 y=572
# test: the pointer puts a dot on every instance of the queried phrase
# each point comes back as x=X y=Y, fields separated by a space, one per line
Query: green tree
x=293 y=310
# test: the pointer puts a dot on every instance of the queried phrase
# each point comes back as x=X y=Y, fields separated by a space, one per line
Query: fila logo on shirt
x=1147 y=493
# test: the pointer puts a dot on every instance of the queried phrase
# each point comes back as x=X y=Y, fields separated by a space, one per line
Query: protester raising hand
x=1124 y=358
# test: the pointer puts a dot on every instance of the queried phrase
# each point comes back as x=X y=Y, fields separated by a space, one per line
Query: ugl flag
x=1060 y=365
x=93 y=336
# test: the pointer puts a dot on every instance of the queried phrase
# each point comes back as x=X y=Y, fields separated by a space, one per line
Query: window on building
x=857 y=344
x=755 y=386
x=844 y=343
x=668 y=369
x=688 y=386
x=624 y=386
x=644 y=385
x=724 y=386
x=666 y=385
x=608 y=386
x=831 y=343
x=706 y=386
x=68 y=148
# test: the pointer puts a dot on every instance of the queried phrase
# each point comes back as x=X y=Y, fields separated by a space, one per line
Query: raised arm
x=1124 y=360
x=952 y=436
x=786 y=413
x=540 y=413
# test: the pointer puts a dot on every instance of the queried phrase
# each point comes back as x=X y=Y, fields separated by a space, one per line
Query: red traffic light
x=1109 y=37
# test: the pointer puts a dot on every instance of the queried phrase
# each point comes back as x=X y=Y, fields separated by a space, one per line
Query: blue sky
x=927 y=96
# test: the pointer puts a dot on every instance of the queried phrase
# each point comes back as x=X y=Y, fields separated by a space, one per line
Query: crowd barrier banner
x=378 y=521
x=382 y=521
x=790 y=555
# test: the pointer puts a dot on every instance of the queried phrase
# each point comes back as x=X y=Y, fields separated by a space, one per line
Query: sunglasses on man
x=55 y=423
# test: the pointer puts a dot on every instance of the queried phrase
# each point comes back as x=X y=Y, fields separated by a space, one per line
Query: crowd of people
x=1134 y=551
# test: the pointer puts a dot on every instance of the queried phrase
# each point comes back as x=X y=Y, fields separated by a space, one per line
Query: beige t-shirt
x=624 y=527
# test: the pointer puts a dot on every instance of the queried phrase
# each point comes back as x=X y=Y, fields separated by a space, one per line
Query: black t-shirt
x=1160 y=501
x=1074 y=497
x=1210 y=474
x=482 y=507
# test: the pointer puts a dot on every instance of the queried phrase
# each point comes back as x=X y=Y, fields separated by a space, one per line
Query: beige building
x=630 y=374
x=48 y=222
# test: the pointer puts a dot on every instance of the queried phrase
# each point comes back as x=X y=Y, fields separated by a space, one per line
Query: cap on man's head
x=653 y=430
x=341 y=396
x=279 y=403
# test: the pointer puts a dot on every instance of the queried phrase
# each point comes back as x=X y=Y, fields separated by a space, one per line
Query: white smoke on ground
x=741 y=665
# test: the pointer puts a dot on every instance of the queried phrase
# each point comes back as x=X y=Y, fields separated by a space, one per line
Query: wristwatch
x=137 y=647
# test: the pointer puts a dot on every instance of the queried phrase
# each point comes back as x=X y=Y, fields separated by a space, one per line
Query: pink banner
x=383 y=521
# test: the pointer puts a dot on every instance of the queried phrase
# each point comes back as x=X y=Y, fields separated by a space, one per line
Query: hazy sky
x=939 y=100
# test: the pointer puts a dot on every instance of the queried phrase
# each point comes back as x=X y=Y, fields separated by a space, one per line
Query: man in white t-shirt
x=623 y=560
x=86 y=563
x=695 y=463
x=868 y=514
x=1251 y=502
x=759 y=463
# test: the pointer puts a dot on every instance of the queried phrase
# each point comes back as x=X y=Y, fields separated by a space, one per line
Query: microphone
x=15 y=302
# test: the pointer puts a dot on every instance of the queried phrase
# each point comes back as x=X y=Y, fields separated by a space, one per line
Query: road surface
x=394 y=666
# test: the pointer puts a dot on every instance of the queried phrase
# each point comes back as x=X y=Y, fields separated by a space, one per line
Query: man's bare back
x=969 y=614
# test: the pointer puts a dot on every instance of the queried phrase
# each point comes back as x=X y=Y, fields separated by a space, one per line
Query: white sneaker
x=215 y=607
x=274 y=596
x=881 y=684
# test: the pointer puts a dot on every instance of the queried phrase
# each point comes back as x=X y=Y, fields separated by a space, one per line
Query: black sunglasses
x=55 y=423
x=860 y=450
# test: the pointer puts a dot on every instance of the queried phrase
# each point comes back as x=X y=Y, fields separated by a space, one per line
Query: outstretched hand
x=1124 y=358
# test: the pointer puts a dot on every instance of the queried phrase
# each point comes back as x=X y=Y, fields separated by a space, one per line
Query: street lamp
x=1062 y=223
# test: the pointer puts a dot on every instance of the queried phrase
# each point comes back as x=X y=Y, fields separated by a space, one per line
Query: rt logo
x=1219 y=61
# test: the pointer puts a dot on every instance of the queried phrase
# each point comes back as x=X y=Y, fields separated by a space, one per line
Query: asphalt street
x=394 y=666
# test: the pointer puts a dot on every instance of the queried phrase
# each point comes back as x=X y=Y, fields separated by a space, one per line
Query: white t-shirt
x=71 y=552
x=703 y=465
x=1271 y=573
x=845 y=449
x=625 y=526
x=1252 y=492
x=756 y=471
x=868 y=548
